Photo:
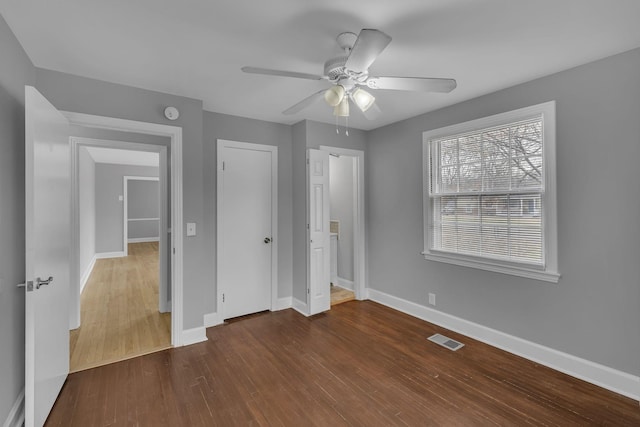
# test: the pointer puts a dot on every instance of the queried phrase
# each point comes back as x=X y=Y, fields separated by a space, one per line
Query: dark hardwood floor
x=360 y=364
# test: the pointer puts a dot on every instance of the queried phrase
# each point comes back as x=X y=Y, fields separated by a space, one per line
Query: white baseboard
x=212 y=319
x=299 y=306
x=15 y=418
x=594 y=373
x=283 y=303
x=102 y=255
x=143 y=239
x=194 y=335
x=344 y=283
x=87 y=273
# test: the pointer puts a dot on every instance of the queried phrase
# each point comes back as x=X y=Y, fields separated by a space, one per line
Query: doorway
x=247 y=237
x=174 y=233
x=123 y=257
x=346 y=227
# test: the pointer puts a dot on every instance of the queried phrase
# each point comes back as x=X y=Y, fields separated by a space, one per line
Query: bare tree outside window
x=488 y=186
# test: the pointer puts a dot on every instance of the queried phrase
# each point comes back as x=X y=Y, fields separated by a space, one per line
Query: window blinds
x=486 y=192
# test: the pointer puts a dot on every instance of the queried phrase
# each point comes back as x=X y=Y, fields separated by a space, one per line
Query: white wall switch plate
x=191 y=229
x=121 y=198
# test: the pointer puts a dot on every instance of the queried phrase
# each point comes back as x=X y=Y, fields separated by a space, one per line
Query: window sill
x=496 y=267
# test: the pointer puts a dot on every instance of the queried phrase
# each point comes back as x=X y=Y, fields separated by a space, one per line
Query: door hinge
x=223 y=165
x=307 y=226
x=174 y=251
x=307 y=161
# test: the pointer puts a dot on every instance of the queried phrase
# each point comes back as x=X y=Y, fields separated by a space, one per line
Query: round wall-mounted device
x=171 y=113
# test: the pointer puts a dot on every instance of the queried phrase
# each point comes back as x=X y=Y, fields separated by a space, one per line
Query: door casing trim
x=359 y=238
x=174 y=133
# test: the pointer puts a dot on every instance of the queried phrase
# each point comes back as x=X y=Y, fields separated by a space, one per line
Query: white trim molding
x=176 y=239
x=548 y=269
x=344 y=283
x=283 y=303
x=143 y=239
x=194 y=335
x=212 y=319
x=103 y=255
x=594 y=373
x=15 y=418
x=87 y=273
x=299 y=306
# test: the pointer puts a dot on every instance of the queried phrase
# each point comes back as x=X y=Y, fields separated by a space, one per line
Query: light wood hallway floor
x=340 y=295
x=119 y=311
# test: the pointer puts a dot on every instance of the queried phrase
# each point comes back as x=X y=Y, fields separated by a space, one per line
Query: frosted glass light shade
x=342 y=109
x=363 y=99
x=334 y=95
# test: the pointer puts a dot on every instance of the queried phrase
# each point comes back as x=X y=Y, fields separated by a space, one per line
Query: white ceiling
x=195 y=48
x=123 y=157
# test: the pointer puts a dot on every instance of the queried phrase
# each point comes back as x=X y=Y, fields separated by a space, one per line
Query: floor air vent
x=446 y=342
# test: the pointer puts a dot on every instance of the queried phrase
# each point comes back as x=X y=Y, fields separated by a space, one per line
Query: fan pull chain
x=346 y=121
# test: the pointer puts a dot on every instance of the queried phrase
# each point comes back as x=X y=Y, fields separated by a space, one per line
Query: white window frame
x=549 y=270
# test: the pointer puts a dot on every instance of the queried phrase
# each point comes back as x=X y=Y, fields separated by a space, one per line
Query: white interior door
x=245 y=233
x=319 y=260
x=48 y=238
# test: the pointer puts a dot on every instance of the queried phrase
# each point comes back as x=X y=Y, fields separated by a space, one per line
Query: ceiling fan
x=349 y=73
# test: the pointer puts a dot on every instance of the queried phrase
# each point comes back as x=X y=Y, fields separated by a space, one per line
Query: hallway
x=119 y=309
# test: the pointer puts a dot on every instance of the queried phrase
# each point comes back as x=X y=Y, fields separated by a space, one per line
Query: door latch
x=28 y=285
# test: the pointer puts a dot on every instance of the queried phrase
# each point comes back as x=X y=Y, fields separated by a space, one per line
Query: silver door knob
x=267 y=240
x=40 y=282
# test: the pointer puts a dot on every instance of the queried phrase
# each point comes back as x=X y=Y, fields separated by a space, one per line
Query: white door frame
x=175 y=135
x=359 y=247
x=221 y=144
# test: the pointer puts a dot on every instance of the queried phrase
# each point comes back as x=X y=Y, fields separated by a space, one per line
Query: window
x=489 y=193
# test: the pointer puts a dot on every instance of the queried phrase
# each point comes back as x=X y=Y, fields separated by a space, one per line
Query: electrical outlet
x=432 y=299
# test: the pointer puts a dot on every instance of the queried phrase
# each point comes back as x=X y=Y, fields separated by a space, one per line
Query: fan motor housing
x=334 y=67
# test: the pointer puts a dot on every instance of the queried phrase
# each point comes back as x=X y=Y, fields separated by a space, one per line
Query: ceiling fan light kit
x=334 y=95
x=347 y=73
x=363 y=99
x=342 y=109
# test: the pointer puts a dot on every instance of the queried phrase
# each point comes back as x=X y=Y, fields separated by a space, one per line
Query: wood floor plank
x=360 y=364
x=119 y=311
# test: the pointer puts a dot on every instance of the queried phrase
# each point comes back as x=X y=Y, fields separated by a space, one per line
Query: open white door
x=47 y=211
x=319 y=261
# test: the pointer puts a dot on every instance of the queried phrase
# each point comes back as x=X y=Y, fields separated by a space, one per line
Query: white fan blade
x=423 y=84
x=270 y=72
x=368 y=45
x=305 y=102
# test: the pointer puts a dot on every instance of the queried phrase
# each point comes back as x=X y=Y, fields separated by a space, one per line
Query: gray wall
x=87 y=208
x=143 y=201
x=16 y=70
x=593 y=311
x=79 y=94
x=109 y=209
x=221 y=126
x=341 y=185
